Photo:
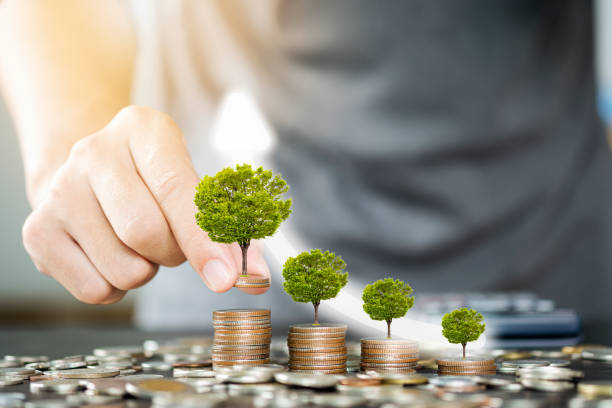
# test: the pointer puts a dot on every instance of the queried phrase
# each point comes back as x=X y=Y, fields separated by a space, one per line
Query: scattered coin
x=549 y=373
x=150 y=388
x=307 y=380
x=56 y=386
x=599 y=354
x=596 y=388
x=545 y=385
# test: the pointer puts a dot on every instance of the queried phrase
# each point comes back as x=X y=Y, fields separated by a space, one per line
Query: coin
x=548 y=386
x=525 y=363
x=596 y=388
x=150 y=388
x=192 y=364
x=251 y=282
x=188 y=400
x=57 y=386
x=87 y=373
x=321 y=327
x=193 y=372
x=360 y=382
x=307 y=380
x=240 y=312
x=404 y=379
x=464 y=362
x=599 y=354
x=10 y=380
x=577 y=349
x=549 y=373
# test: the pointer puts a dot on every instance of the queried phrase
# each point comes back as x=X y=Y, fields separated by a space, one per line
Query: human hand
x=121 y=205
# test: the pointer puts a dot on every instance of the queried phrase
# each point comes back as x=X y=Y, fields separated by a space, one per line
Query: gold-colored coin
x=236 y=332
x=516 y=355
x=579 y=348
x=360 y=382
x=240 y=312
x=405 y=379
x=338 y=352
x=162 y=385
x=465 y=362
x=596 y=389
x=320 y=371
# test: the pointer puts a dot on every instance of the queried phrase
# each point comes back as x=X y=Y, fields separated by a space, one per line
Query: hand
x=121 y=205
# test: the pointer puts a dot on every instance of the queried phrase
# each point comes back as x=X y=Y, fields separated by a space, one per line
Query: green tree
x=462 y=326
x=238 y=205
x=314 y=276
x=387 y=299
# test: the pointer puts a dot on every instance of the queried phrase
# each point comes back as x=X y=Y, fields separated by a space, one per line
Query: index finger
x=161 y=157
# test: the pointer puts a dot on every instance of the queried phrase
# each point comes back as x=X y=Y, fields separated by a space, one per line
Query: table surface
x=60 y=342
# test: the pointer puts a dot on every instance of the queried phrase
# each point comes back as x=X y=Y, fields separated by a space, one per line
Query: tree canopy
x=462 y=326
x=313 y=276
x=387 y=299
x=238 y=205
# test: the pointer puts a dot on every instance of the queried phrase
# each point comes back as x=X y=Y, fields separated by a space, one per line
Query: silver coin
x=138 y=377
x=495 y=381
x=85 y=373
x=16 y=371
x=193 y=373
x=598 y=354
x=25 y=359
x=549 y=373
x=156 y=366
x=558 y=362
x=307 y=380
x=245 y=376
x=7 y=380
x=40 y=365
x=56 y=386
x=548 y=386
x=254 y=389
x=546 y=354
x=453 y=381
x=9 y=364
x=67 y=364
x=524 y=363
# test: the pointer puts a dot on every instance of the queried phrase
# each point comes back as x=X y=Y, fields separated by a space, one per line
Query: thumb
x=161 y=157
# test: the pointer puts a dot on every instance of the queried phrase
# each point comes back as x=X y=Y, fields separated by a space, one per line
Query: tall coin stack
x=319 y=348
x=465 y=366
x=242 y=336
x=389 y=355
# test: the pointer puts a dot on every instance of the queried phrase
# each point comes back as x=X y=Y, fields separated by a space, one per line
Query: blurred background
x=27 y=297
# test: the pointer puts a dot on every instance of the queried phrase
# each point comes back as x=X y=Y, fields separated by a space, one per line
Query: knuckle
x=139 y=233
x=139 y=272
x=32 y=232
x=167 y=185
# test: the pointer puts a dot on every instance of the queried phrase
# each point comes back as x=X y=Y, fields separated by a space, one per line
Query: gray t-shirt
x=451 y=144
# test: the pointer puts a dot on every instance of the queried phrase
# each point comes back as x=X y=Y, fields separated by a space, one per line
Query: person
x=455 y=145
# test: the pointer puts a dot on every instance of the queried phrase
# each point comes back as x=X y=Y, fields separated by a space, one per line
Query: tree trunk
x=389 y=328
x=463 y=345
x=316 y=308
x=244 y=249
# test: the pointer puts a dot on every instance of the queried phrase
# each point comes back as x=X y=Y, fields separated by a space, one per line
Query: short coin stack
x=466 y=366
x=253 y=282
x=317 y=348
x=242 y=336
x=389 y=355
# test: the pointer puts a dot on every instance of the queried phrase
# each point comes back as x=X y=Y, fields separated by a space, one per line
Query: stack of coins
x=389 y=355
x=246 y=281
x=465 y=366
x=242 y=336
x=319 y=348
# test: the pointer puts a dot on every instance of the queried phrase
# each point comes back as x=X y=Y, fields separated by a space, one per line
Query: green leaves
x=238 y=205
x=462 y=326
x=387 y=299
x=314 y=276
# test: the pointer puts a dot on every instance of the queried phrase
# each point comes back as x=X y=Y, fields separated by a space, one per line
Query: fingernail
x=217 y=275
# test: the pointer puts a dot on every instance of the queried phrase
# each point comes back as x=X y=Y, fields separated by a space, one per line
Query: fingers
x=54 y=253
x=121 y=266
x=256 y=264
x=161 y=158
x=129 y=207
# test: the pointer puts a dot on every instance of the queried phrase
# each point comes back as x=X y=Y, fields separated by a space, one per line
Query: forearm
x=65 y=71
